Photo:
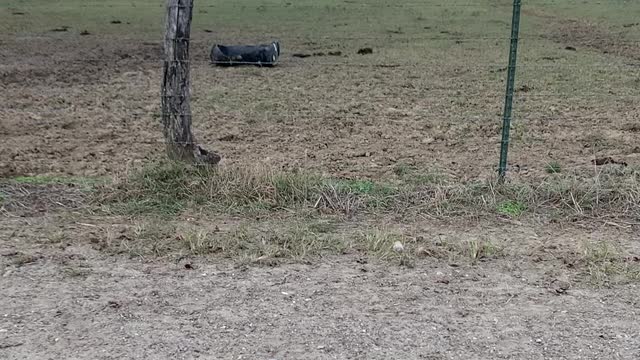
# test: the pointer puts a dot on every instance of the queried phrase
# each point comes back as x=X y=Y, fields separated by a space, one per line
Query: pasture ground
x=285 y=251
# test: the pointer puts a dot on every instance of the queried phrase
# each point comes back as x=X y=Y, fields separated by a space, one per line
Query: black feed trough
x=259 y=55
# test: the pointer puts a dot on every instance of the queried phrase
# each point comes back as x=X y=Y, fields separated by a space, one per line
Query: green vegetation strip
x=169 y=188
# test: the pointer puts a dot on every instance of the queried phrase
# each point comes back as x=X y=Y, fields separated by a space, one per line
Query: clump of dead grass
x=244 y=244
x=605 y=263
x=558 y=196
x=168 y=188
x=272 y=243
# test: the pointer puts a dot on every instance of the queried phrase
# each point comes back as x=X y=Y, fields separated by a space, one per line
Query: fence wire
x=615 y=84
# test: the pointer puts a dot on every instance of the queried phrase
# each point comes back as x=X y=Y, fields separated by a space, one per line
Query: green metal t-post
x=511 y=77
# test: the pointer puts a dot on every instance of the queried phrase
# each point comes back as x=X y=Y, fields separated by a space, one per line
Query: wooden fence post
x=176 y=92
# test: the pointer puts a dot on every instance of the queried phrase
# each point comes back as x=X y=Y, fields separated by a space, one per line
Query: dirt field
x=81 y=280
x=88 y=105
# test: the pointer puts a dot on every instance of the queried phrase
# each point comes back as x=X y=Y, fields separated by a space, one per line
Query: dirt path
x=74 y=302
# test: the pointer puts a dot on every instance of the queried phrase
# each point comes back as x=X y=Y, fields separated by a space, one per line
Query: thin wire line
x=467 y=118
x=459 y=92
x=336 y=6
x=396 y=37
x=314 y=61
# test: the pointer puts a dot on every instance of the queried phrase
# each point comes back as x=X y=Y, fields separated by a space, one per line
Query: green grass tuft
x=511 y=208
x=169 y=188
x=553 y=167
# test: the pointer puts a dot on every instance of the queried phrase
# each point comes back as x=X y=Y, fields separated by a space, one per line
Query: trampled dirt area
x=80 y=280
x=64 y=298
x=91 y=107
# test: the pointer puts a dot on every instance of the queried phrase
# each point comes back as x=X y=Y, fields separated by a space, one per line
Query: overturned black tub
x=259 y=55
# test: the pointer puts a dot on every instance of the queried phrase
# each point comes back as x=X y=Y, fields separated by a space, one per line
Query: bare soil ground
x=64 y=298
x=90 y=107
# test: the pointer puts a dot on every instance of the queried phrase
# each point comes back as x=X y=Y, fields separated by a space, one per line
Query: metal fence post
x=508 y=101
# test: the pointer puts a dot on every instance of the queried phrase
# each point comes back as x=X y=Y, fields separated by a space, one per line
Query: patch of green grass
x=365 y=187
x=372 y=194
x=553 y=167
x=168 y=188
x=512 y=208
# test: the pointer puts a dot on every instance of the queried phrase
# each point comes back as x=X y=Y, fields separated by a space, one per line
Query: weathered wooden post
x=176 y=92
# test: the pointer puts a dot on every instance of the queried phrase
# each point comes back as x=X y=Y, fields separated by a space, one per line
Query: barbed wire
x=313 y=60
x=400 y=39
x=454 y=93
x=391 y=112
x=330 y=6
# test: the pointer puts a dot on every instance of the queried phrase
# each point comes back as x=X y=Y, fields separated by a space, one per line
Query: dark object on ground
x=570 y=48
x=365 y=51
x=607 y=160
x=260 y=55
x=305 y=55
x=18 y=13
x=61 y=29
x=85 y=33
x=116 y=22
x=203 y=156
x=525 y=88
x=230 y=137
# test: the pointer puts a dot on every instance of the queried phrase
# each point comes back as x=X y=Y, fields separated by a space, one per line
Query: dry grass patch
x=169 y=188
x=606 y=264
